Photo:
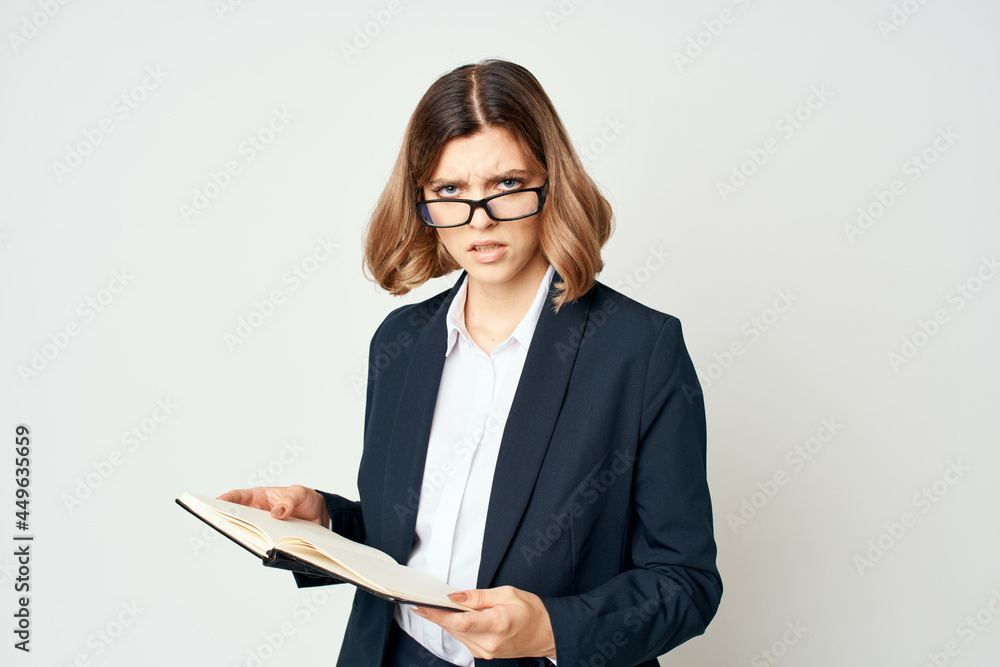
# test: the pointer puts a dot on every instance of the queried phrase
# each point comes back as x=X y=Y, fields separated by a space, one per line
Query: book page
x=230 y=522
x=387 y=577
x=345 y=558
x=275 y=530
x=271 y=531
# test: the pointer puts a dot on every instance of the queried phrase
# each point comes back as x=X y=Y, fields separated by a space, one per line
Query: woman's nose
x=480 y=220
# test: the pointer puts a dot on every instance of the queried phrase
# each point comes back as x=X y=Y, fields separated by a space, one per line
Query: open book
x=306 y=547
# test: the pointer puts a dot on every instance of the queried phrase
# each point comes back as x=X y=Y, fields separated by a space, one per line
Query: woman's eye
x=446 y=191
x=510 y=184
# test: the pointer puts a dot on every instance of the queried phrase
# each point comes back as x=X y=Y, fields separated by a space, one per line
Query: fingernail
x=460 y=596
x=278 y=512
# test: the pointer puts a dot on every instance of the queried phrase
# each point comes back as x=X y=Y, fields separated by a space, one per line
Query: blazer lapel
x=532 y=418
x=411 y=431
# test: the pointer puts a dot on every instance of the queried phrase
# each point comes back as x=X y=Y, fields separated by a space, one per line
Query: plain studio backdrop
x=809 y=186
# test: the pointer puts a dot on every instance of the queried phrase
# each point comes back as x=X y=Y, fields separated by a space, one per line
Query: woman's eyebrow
x=502 y=176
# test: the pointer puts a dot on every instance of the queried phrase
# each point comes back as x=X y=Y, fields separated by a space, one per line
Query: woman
x=536 y=439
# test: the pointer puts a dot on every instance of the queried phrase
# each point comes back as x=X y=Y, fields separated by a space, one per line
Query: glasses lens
x=509 y=206
x=444 y=213
x=514 y=205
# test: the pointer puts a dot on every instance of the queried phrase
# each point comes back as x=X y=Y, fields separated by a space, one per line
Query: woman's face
x=499 y=257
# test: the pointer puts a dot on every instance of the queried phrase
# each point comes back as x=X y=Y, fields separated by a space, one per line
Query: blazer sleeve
x=670 y=588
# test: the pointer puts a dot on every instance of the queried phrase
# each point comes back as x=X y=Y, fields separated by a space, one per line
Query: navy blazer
x=600 y=504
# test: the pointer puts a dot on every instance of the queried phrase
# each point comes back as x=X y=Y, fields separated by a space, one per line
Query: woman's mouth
x=487 y=252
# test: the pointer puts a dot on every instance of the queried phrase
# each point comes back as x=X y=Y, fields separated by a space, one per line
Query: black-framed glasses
x=503 y=207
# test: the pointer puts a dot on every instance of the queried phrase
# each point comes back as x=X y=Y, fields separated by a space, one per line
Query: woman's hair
x=574 y=224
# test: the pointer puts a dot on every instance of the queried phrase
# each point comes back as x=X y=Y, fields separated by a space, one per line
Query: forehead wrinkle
x=493 y=178
x=481 y=157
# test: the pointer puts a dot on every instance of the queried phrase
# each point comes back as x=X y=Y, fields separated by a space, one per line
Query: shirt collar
x=522 y=332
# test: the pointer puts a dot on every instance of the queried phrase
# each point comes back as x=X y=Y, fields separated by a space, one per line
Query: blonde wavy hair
x=576 y=222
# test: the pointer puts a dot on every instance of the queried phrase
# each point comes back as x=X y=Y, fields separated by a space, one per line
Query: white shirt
x=473 y=401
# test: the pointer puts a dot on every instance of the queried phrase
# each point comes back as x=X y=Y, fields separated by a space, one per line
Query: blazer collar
x=530 y=423
x=411 y=430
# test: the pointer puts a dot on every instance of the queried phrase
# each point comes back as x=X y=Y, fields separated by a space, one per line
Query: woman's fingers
x=255 y=497
x=283 y=502
x=287 y=503
x=505 y=623
x=303 y=503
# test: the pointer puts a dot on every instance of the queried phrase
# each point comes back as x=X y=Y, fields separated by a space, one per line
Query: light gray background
x=661 y=136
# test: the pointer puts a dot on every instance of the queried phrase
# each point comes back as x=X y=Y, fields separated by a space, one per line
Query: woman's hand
x=507 y=623
x=283 y=502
